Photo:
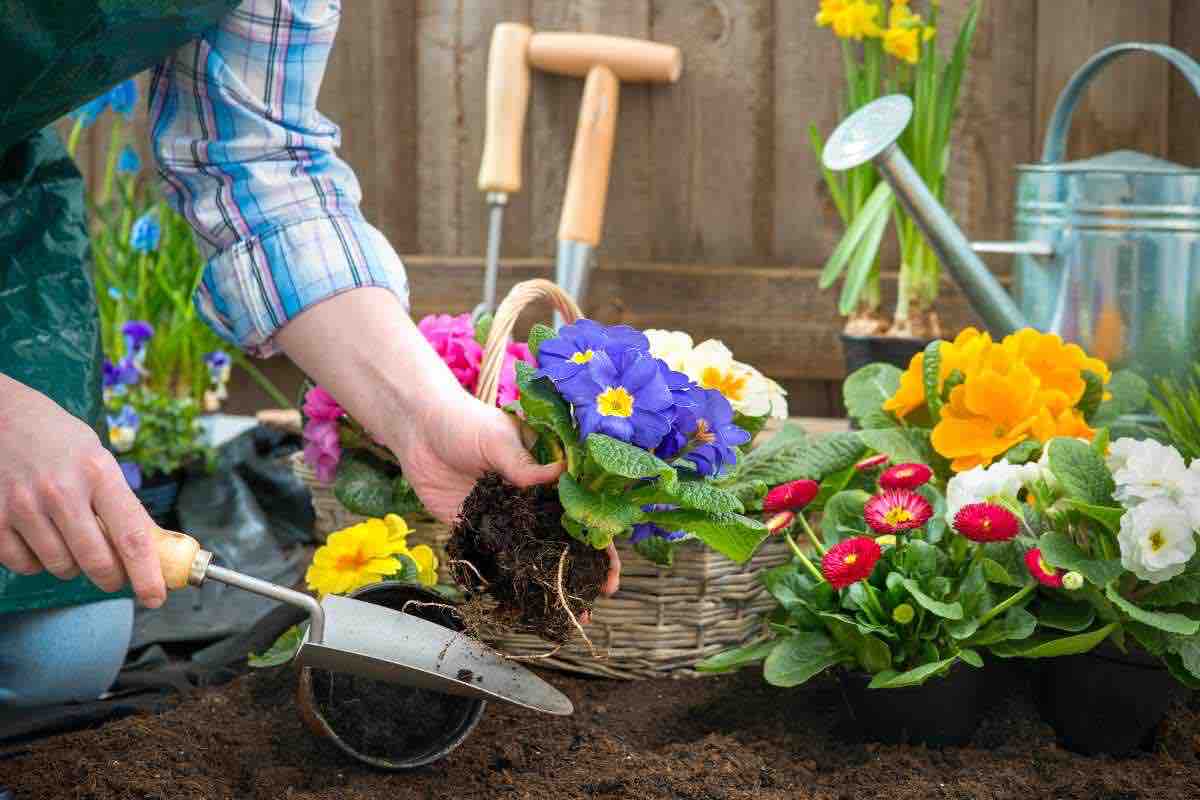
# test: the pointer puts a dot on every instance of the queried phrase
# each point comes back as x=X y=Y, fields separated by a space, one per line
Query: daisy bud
x=903 y=614
x=790 y=496
x=1072 y=581
x=781 y=521
x=872 y=463
x=887 y=540
x=905 y=476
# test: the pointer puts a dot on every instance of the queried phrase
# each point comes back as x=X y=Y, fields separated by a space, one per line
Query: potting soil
x=721 y=738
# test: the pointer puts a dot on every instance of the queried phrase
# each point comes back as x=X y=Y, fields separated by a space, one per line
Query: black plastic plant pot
x=385 y=725
x=940 y=712
x=1106 y=701
x=895 y=350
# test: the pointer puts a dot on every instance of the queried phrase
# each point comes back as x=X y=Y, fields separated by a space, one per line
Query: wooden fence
x=717 y=218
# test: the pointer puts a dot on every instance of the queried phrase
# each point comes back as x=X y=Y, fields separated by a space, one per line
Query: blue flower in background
x=136 y=332
x=709 y=428
x=132 y=473
x=121 y=98
x=123 y=428
x=567 y=354
x=644 y=530
x=128 y=162
x=114 y=293
x=145 y=233
x=118 y=377
x=624 y=397
x=218 y=362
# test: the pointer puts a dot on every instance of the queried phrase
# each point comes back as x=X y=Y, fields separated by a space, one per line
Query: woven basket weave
x=662 y=621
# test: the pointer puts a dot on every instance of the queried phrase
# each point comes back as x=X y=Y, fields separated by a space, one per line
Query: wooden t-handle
x=507 y=101
x=632 y=60
x=587 y=182
x=176 y=554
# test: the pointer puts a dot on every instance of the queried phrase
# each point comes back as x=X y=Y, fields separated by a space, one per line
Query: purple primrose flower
x=567 y=354
x=624 y=397
x=710 y=429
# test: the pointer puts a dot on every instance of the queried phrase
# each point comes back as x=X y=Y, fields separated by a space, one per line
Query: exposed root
x=536 y=657
x=471 y=567
x=562 y=598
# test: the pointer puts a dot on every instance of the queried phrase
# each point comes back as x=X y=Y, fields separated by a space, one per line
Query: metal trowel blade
x=377 y=642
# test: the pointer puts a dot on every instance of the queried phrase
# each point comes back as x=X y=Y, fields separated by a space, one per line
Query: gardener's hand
x=55 y=480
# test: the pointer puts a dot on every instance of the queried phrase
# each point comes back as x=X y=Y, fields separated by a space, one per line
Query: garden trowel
x=347 y=635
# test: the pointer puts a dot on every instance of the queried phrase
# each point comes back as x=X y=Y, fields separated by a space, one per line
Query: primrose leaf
x=1063 y=616
x=1165 y=621
x=799 y=657
x=1183 y=588
x=538 y=334
x=931 y=376
x=1017 y=623
x=732 y=535
x=901 y=445
x=282 y=651
x=656 y=550
x=1130 y=394
x=913 y=677
x=603 y=516
x=1107 y=516
x=872 y=654
x=738 y=657
x=1060 y=551
x=843 y=516
x=1024 y=452
x=404 y=497
x=1042 y=645
x=628 y=461
x=1093 y=393
x=1081 y=471
x=363 y=488
x=920 y=560
x=1188 y=651
x=944 y=610
x=547 y=413
x=702 y=495
x=865 y=391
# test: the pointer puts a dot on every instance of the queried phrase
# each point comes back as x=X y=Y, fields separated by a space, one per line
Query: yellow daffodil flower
x=903 y=44
x=850 y=19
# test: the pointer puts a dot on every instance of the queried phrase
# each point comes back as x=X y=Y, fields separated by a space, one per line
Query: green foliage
x=538 y=334
x=732 y=535
x=931 y=376
x=1080 y=471
x=1164 y=621
x=1176 y=401
x=362 y=487
x=797 y=658
x=548 y=414
x=1042 y=645
x=483 y=328
x=169 y=437
x=865 y=391
x=736 y=658
x=282 y=651
x=602 y=516
x=901 y=445
x=1059 y=551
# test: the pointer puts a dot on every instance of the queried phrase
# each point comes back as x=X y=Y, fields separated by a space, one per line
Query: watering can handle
x=1060 y=121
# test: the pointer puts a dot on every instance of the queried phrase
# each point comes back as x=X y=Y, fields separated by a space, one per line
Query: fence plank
x=1182 y=136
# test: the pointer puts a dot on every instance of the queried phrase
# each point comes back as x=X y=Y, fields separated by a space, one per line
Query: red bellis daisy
x=1045 y=574
x=897 y=510
x=781 y=521
x=790 y=496
x=850 y=561
x=905 y=476
x=986 y=522
x=872 y=462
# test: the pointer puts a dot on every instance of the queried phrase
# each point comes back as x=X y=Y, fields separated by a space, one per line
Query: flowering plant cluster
x=969 y=402
x=645 y=445
x=366 y=477
x=889 y=49
x=369 y=552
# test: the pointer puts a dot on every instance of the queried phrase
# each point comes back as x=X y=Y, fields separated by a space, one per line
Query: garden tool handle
x=631 y=60
x=1060 y=121
x=182 y=560
x=507 y=103
x=591 y=157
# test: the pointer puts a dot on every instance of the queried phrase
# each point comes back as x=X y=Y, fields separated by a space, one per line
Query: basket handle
x=505 y=320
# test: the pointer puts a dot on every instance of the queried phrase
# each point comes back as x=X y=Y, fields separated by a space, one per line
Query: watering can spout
x=869 y=135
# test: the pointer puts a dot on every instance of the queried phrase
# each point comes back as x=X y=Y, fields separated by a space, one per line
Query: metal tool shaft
x=496 y=204
x=571 y=266
x=316 y=615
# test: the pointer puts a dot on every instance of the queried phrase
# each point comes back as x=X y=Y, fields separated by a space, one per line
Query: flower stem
x=816 y=573
x=73 y=139
x=110 y=165
x=1012 y=600
x=812 y=536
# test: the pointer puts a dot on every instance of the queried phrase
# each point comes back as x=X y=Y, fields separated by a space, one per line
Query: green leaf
x=704 y=496
x=736 y=658
x=864 y=261
x=799 y=657
x=1165 y=621
x=1063 y=616
x=944 y=610
x=538 y=334
x=751 y=425
x=732 y=535
x=602 y=516
x=1181 y=672
x=843 y=516
x=1080 y=471
x=931 y=374
x=404 y=497
x=913 y=677
x=1015 y=624
x=1183 y=588
x=1188 y=651
x=483 y=327
x=1107 y=516
x=994 y=572
x=877 y=205
x=1130 y=394
x=920 y=560
x=866 y=390
x=1048 y=646
x=1060 y=551
x=1024 y=452
x=656 y=550
x=363 y=488
x=282 y=651
x=626 y=460
x=872 y=654
x=548 y=414
x=901 y=445
x=1093 y=393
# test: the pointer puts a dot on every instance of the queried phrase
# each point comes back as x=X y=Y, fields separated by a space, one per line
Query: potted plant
x=887 y=50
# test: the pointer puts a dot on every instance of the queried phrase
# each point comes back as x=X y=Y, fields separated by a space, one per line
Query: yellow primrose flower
x=366 y=553
x=986 y=415
x=850 y=19
x=1058 y=366
x=965 y=354
x=422 y=555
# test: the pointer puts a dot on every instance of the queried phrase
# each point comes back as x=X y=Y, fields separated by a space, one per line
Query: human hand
x=57 y=486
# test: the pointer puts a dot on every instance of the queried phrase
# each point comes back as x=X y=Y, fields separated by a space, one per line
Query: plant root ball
x=509 y=543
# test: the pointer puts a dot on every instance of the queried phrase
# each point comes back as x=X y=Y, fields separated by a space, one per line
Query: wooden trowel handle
x=507 y=102
x=587 y=182
x=176 y=554
x=632 y=60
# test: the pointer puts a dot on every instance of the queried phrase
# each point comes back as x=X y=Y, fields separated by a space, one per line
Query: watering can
x=1106 y=247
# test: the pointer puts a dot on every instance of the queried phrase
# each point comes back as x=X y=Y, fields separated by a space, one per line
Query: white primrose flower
x=672 y=347
x=711 y=365
x=982 y=484
x=1156 y=540
x=779 y=403
x=1148 y=470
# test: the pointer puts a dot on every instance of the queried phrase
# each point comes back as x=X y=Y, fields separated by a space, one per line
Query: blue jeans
x=61 y=655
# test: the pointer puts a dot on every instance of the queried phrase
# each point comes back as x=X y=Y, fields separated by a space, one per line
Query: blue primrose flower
x=624 y=397
x=128 y=162
x=567 y=354
x=708 y=427
x=145 y=233
x=644 y=530
x=121 y=98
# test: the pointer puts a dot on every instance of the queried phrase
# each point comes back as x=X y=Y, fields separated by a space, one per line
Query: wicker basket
x=662 y=621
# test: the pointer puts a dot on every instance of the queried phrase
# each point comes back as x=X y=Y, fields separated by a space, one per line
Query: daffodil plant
x=889 y=50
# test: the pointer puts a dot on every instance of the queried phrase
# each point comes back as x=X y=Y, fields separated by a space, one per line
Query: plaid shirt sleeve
x=246 y=157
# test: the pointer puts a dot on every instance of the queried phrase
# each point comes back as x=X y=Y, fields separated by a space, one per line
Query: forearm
x=364 y=348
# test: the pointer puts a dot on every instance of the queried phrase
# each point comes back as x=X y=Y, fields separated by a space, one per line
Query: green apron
x=59 y=56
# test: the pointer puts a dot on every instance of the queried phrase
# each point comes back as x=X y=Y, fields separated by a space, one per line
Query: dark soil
x=514 y=538
x=722 y=738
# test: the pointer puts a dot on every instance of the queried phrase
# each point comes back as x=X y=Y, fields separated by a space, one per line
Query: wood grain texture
x=1183 y=136
x=1126 y=107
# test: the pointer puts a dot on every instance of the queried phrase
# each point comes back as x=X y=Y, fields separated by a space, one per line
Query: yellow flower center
x=352 y=561
x=851 y=558
x=897 y=514
x=1157 y=541
x=704 y=433
x=582 y=358
x=729 y=384
x=615 y=401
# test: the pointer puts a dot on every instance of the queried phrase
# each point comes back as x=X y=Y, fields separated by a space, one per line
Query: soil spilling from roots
x=729 y=737
x=510 y=544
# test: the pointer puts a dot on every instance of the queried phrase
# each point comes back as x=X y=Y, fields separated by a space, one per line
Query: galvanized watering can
x=1107 y=247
